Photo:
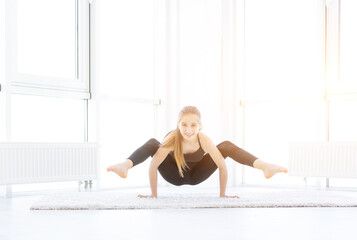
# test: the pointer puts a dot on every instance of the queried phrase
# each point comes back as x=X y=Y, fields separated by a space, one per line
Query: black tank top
x=193 y=158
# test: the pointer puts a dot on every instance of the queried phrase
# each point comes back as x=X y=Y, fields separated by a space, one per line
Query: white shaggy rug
x=119 y=200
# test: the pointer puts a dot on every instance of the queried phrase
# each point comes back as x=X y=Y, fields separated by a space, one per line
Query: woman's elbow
x=154 y=165
x=222 y=166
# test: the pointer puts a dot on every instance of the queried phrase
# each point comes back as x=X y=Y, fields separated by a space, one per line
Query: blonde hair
x=175 y=138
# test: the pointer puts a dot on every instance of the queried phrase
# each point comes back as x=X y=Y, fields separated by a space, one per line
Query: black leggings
x=197 y=174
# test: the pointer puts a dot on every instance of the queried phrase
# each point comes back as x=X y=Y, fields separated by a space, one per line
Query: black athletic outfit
x=201 y=165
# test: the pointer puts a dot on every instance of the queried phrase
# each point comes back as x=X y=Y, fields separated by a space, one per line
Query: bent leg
x=145 y=151
x=238 y=154
x=206 y=167
x=140 y=155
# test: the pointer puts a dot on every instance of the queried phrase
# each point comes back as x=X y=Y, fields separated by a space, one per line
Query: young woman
x=187 y=156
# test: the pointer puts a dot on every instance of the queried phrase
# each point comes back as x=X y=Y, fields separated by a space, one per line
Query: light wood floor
x=17 y=222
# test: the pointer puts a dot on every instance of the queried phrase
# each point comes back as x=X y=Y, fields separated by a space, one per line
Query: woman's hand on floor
x=146 y=196
x=225 y=196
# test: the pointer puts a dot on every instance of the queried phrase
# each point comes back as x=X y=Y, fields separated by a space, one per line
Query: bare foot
x=272 y=169
x=121 y=169
x=225 y=196
x=146 y=196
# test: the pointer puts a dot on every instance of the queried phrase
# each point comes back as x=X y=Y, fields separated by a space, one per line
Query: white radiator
x=47 y=162
x=323 y=159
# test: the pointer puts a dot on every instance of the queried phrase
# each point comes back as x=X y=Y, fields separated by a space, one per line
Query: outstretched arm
x=222 y=167
x=158 y=158
x=218 y=159
x=223 y=177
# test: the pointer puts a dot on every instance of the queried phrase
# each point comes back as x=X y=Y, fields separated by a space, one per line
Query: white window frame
x=16 y=82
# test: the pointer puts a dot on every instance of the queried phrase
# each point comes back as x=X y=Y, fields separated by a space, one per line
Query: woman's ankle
x=128 y=163
x=259 y=164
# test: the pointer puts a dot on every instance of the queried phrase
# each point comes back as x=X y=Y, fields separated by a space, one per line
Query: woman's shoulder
x=204 y=139
x=167 y=148
x=169 y=135
x=203 y=136
x=167 y=142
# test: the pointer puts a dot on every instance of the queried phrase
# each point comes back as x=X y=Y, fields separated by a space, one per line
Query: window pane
x=46 y=35
x=348 y=46
x=283 y=48
x=46 y=119
x=126 y=44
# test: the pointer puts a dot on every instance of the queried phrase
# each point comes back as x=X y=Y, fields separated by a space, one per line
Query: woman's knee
x=151 y=146
x=153 y=142
x=224 y=144
x=226 y=147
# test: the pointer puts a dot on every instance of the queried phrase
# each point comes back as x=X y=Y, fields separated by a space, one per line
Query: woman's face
x=189 y=126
